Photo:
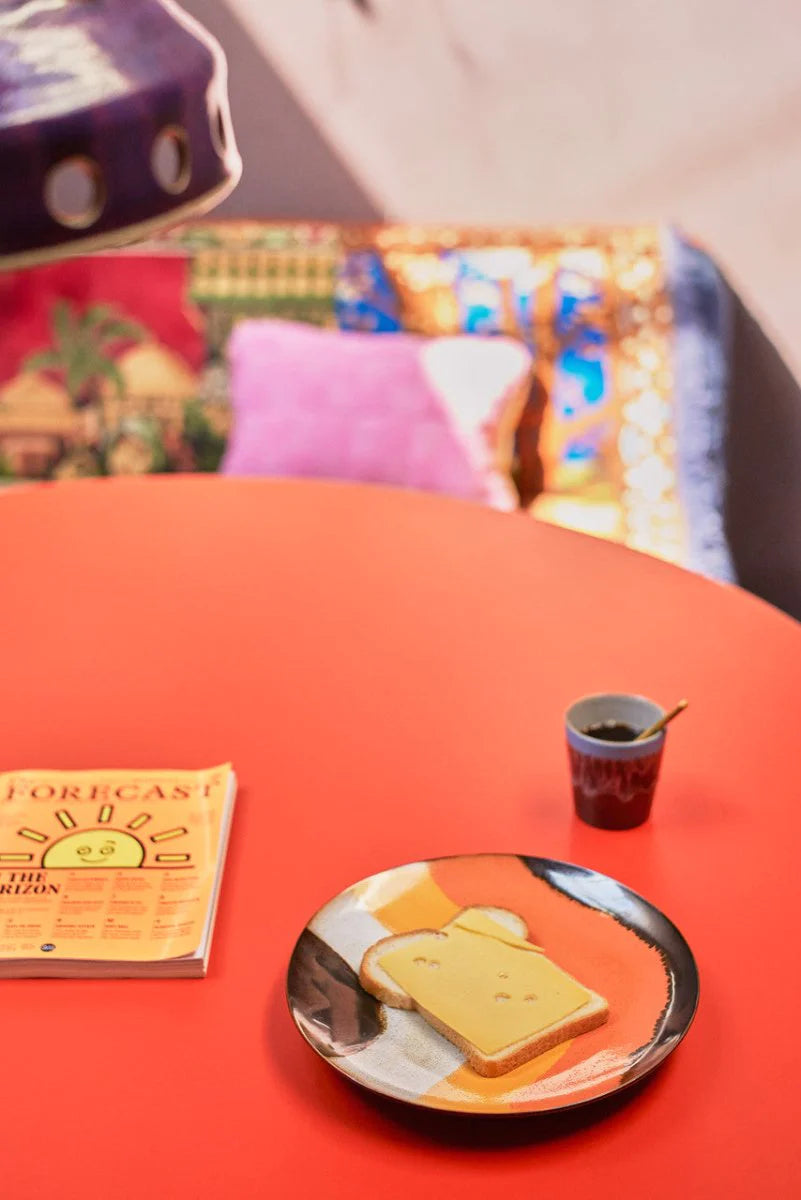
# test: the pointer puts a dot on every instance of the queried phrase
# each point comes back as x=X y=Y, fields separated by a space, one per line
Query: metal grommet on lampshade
x=114 y=122
x=171 y=160
x=75 y=193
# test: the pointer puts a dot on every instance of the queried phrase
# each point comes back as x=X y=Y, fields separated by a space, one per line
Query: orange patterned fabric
x=597 y=443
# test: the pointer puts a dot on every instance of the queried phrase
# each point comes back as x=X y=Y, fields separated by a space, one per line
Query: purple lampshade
x=114 y=122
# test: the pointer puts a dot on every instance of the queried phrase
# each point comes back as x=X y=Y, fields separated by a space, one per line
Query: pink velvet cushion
x=435 y=414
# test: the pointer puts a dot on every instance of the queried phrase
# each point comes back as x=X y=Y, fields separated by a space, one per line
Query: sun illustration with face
x=101 y=846
x=95 y=848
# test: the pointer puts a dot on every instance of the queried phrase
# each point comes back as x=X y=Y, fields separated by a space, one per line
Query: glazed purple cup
x=613 y=781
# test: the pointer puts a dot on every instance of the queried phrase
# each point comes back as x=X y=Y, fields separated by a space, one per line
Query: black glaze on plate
x=635 y=913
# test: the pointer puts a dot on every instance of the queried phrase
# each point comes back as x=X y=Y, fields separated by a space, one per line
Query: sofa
x=656 y=413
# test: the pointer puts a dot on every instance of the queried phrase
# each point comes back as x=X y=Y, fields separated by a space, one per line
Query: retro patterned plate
x=603 y=934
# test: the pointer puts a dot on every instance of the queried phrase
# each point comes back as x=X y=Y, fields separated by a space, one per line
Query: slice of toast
x=473 y=981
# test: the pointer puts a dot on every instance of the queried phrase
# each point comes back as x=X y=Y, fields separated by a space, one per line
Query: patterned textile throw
x=622 y=436
x=116 y=363
x=262 y=268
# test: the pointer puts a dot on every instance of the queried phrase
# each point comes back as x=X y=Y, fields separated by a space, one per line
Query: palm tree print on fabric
x=83 y=349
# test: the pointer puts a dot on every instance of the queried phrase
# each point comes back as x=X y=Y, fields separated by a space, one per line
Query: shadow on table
x=352 y=1104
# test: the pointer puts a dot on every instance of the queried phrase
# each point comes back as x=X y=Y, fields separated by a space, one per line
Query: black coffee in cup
x=612 y=731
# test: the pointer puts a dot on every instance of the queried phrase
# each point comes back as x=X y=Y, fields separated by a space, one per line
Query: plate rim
x=484 y=1111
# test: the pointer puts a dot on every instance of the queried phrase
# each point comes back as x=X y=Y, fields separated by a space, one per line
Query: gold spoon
x=662 y=722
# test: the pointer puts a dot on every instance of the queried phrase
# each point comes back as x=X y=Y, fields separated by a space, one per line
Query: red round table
x=388 y=672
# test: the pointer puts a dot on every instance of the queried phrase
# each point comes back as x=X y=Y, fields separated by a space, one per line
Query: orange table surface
x=388 y=672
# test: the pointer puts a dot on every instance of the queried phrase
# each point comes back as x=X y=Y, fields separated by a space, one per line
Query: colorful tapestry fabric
x=626 y=330
x=703 y=337
x=103 y=370
x=258 y=269
x=434 y=414
x=116 y=363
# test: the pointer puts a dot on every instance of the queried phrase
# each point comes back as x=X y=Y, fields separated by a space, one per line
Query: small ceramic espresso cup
x=613 y=781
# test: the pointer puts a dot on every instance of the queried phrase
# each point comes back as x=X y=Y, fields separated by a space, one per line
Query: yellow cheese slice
x=485 y=984
x=476 y=921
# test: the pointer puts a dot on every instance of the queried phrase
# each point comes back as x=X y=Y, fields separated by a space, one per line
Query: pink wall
x=532 y=111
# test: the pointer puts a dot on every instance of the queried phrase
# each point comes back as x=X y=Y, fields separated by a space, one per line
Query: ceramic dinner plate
x=608 y=938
